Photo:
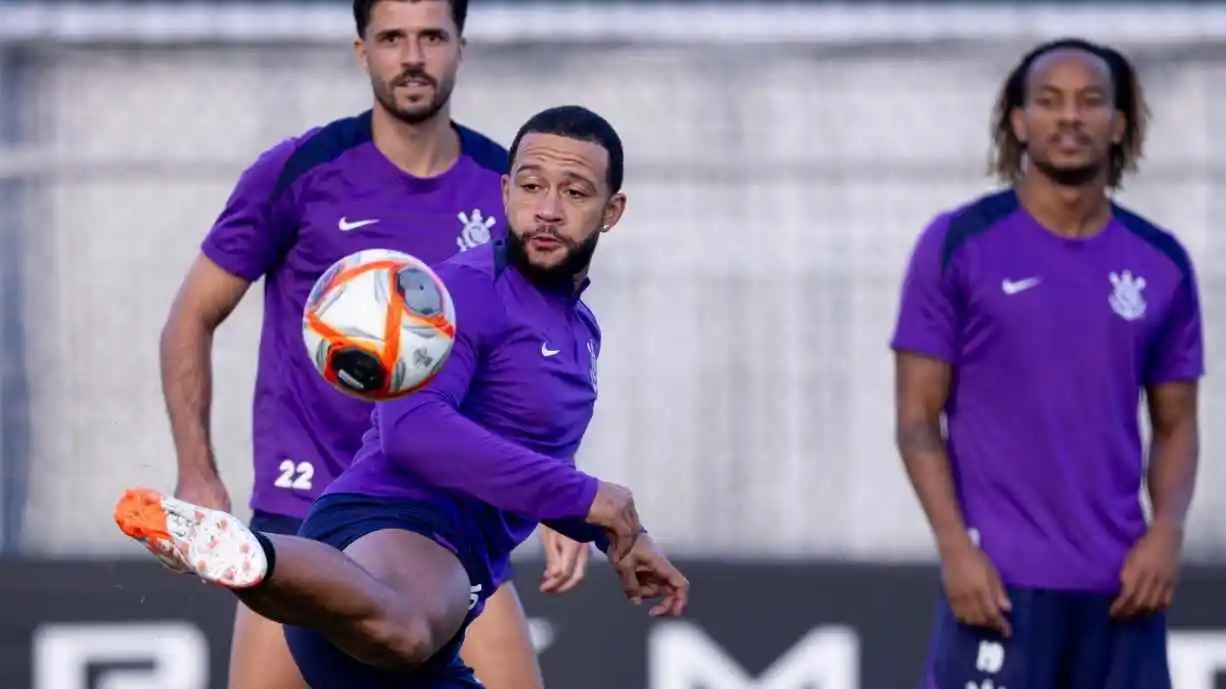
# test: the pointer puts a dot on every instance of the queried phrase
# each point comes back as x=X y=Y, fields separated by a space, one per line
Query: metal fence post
x=14 y=397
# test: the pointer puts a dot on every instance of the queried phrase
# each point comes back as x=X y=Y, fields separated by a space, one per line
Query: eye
x=530 y=186
x=576 y=194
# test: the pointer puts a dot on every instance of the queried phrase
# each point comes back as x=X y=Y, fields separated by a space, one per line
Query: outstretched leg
x=391 y=600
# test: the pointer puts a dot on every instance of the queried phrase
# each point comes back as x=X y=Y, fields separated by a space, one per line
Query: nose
x=1070 y=113
x=413 y=55
x=549 y=208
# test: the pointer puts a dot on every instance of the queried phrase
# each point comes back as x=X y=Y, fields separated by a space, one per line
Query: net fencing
x=780 y=162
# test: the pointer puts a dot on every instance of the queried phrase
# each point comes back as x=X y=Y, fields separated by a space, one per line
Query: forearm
x=187 y=386
x=1173 y=458
x=436 y=443
x=923 y=452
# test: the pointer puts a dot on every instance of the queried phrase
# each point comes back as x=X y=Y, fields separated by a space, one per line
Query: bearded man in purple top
x=403 y=549
x=1031 y=321
x=400 y=176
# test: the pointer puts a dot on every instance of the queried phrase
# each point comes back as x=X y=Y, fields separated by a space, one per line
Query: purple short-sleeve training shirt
x=1052 y=341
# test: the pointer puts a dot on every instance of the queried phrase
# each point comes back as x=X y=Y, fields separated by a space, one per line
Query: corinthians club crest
x=474 y=229
x=1126 y=299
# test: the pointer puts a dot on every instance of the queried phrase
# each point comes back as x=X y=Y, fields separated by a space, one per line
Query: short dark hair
x=1008 y=152
x=362 y=8
x=579 y=123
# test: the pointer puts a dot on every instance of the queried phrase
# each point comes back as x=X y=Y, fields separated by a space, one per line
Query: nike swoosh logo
x=547 y=352
x=1012 y=287
x=345 y=226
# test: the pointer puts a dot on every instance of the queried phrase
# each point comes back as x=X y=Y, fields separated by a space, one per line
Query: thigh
x=426 y=576
x=259 y=657
x=408 y=548
x=1118 y=654
x=498 y=644
x=428 y=581
x=964 y=657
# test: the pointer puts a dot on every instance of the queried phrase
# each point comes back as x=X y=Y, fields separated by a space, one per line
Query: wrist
x=199 y=470
x=1168 y=524
x=955 y=542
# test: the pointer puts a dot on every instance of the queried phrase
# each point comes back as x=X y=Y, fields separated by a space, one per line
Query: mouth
x=544 y=243
x=1071 y=141
x=415 y=84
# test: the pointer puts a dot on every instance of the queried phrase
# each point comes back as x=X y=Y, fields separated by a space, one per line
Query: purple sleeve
x=1178 y=352
x=426 y=435
x=256 y=227
x=927 y=314
x=581 y=531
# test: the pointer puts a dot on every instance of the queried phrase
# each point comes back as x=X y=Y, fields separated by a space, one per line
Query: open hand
x=646 y=573
x=974 y=589
x=1147 y=582
x=565 y=562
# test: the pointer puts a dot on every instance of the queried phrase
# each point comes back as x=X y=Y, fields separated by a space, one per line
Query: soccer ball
x=378 y=324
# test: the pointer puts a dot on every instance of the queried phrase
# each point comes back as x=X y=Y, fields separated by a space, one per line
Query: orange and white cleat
x=190 y=539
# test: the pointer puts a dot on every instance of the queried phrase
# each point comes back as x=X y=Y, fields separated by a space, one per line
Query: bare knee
x=395 y=642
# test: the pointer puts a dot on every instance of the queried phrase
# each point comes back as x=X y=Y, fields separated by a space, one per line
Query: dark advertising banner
x=95 y=624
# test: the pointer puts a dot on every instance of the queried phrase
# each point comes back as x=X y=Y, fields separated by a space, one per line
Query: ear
x=1119 y=127
x=506 y=195
x=359 y=53
x=613 y=211
x=1017 y=119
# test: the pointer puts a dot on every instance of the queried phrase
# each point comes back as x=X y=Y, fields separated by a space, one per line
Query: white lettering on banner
x=680 y=655
x=177 y=651
x=1197 y=658
x=542 y=633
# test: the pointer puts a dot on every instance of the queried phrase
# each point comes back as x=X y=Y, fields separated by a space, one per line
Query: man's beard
x=578 y=256
x=416 y=114
x=1068 y=176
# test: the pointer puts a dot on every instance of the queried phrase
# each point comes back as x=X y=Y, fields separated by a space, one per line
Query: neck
x=424 y=149
x=556 y=281
x=1075 y=212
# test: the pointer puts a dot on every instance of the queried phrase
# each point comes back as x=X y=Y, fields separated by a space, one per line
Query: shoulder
x=953 y=230
x=319 y=146
x=483 y=151
x=285 y=163
x=1160 y=240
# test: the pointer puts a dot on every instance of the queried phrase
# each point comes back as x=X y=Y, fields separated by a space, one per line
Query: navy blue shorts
x=267 y=522
x=341 y=519
x=1061 y=640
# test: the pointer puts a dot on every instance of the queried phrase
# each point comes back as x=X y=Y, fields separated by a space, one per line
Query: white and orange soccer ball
x=379 y=324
